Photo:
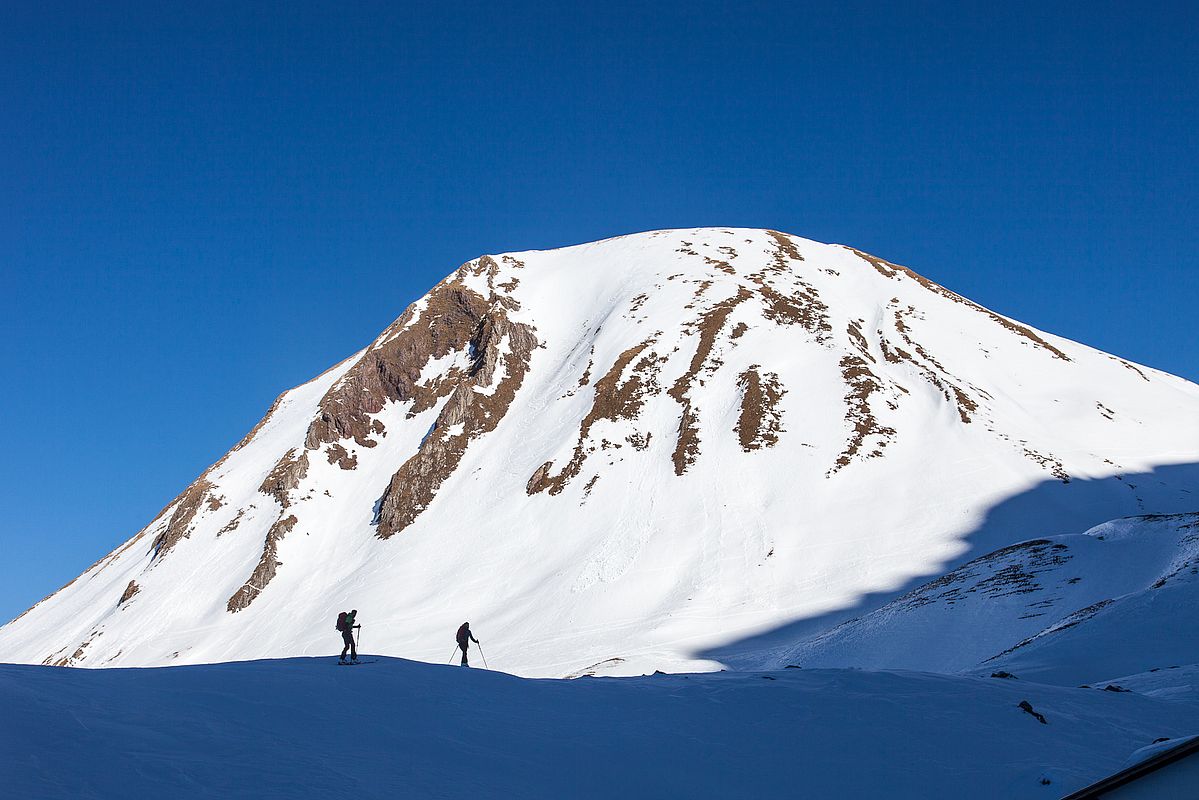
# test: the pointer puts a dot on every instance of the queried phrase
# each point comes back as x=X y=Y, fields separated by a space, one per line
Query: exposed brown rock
x=539 y=479
x=889 y=270
x=723 y=266
x=472 y=413
x=801 y=307
x=390 y=370
x=180 y=525
x=338 y=455
x=861 y=383
x=804 y=308
x=1050 y=463
x=686 y=448
x=267 y=566
x=74 y=658
x=786 y=249
x=854 y=329
x=639 y=441
x=937 y=375
x=614 y=400
x=709 y=326
x=286 y=475
x=232 y=524
x=760 y=421
x=1127 y=365
x=129 y=592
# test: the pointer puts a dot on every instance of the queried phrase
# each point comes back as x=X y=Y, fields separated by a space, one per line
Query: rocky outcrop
x=710 y=324
x=479 y=399
x=391 y=369
x=286 y=476
x=267 y=566
x=179 y=527
x=129 y=592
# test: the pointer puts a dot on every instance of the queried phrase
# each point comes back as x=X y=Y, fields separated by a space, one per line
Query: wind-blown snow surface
x=628 y=453
x=1117 y=600
x=303 y=728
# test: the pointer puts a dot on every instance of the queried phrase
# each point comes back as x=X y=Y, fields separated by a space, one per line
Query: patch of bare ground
x=802 y=306
x=760 y=421
x=889 y=270
x=1132 y=367
x=937 y=375
x=337 y=454
x=1050 y=463
x=129 y=592
x=861 y=383
x=465 y=416
x=721 y=265
x=285 y=476
x=615 y=399
x=639 y=441
x=708 y=327
x=854 y=329
x=267 y=565
x=784 y=249
x=738 y=330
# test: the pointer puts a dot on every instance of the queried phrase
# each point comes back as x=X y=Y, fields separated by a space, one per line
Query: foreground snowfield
x=306 y=728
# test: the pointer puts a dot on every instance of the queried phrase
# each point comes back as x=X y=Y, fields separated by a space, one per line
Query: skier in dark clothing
x=465 y=637
x=346 y=626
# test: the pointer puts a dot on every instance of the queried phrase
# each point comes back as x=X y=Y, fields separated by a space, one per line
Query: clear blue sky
x=203 y=204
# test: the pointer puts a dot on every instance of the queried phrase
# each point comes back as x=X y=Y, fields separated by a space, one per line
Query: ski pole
x=480 y=644
x=358 y=637
x=451 y=661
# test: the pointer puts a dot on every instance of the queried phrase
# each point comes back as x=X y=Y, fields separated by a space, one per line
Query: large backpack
x=341 y=622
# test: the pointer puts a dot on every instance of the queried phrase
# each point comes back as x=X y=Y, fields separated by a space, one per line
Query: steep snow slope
x=1069 y=609
x=303 y=728
x=629 y=452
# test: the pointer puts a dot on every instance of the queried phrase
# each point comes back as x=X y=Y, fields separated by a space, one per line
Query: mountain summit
x=662 y=450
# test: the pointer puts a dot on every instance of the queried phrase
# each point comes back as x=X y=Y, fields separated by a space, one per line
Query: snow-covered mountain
x=654 y=451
